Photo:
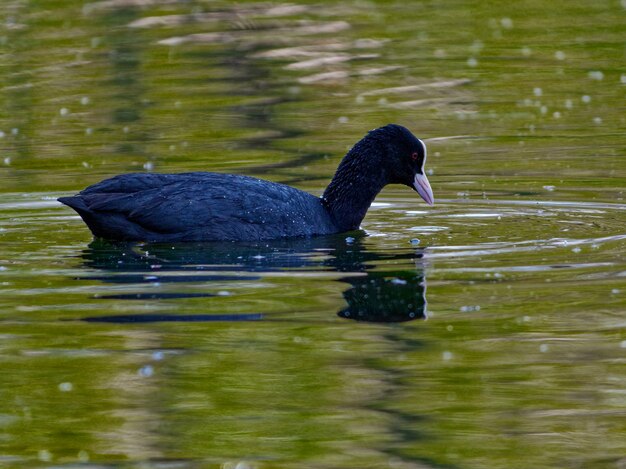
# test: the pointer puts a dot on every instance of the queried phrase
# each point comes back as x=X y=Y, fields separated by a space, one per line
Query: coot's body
x=198 y=206
x=203 y=206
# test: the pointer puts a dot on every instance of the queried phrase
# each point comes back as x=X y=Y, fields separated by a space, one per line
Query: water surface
x=484 y=332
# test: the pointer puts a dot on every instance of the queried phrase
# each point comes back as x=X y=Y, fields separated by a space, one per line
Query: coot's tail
x=108 y=225
x=77 y=203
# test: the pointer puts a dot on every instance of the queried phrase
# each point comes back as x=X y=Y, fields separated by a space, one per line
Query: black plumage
x=202 y=206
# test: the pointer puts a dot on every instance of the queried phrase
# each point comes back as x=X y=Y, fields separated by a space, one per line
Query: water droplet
x=569 y=104
x=414 y=242
x=88 y=131
x=559 y=55
x=158 y=356
x=537 y=91
x=15 y=131
x=148 y=166
x=543 y=110
x=7 y=161
x=44 y=455
x=398 y=281
x=446 y=356
x=615 y=291
x=622 y=79
x=597 y=120
x=83 y=456
x=349 y=240
x=507 y=23
x=586 y=99
x=64 y=111
x=556 y=115
x=526 y=51
x=477 y=46
x=146 y=371
x=549 y=188
x=343 y=120
x=243 y=465
x=84 y=100
x=2 y=134
x=543 y=348
x=576 y=250
x=472 y=62
x=65 y=387
x=449 y=327
x=596 y=75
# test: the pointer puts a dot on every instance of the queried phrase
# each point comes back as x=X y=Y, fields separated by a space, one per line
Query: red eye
x=414 y=156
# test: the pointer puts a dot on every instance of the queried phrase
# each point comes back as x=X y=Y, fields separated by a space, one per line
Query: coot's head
x=404 y=159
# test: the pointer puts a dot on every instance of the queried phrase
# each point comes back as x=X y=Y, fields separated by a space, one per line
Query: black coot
x=203 y=206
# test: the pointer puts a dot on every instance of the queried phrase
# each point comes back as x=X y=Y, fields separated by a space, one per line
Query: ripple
x=428 y=229
x=529 y=268
x=526 y=228
x=475 y=215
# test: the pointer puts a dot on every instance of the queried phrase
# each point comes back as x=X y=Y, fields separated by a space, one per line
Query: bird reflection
x=373 y=295
x=381 y=298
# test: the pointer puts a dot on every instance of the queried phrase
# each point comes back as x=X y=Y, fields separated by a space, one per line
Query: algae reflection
x=394 y=295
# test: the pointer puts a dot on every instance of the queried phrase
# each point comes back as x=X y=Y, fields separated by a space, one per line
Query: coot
x=203 y=206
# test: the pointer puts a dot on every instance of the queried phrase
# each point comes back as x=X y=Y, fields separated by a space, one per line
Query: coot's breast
x=198 y=207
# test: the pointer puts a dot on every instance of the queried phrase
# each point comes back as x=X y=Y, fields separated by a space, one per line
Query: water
x=497 y=340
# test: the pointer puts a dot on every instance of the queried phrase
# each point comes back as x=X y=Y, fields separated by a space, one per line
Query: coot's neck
x=358 y=180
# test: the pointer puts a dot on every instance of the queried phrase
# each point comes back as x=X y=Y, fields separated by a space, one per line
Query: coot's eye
x=414 y=155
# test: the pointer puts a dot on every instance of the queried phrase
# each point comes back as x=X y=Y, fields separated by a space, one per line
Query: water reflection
x=376 y=296
x=126 y=57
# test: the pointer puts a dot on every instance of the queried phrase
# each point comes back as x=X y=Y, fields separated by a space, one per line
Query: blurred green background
x=521 y=363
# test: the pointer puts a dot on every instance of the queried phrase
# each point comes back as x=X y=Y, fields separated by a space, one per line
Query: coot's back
x=198 y=206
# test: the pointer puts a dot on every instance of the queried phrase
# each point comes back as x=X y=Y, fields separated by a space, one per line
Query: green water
x=248 y=356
